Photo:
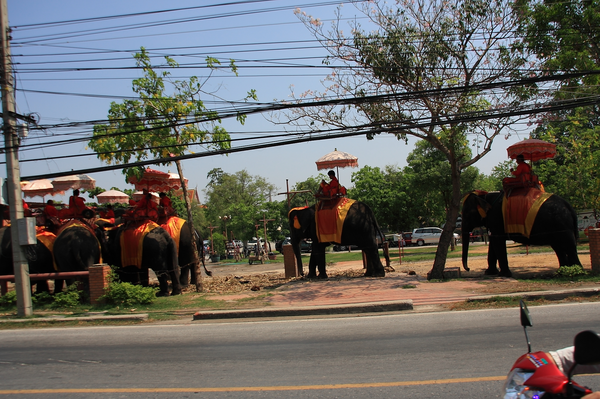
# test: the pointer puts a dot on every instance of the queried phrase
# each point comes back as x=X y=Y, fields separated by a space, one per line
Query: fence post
x=289 y=262
x=594 y=236
x=98 y=281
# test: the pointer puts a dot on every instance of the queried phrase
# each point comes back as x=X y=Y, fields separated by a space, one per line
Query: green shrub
x=40 y=298
x=70 y=298
x=569 y=272
x=8 y=299
x=127 y=294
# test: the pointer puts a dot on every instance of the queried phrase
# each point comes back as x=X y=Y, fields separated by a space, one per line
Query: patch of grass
x=407 y=286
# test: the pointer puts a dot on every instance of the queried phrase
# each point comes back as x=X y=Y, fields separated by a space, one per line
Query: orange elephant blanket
x=78 y=223
x=132 y=239
x=173 y=226
x=520 y=209
x=329 y=218
x=47 y=239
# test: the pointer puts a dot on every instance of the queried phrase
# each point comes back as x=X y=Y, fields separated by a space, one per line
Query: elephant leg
x=163 y=283
x=184 y=277
x=58 y=285
x=500 y=249
x=322 y=265
x=175 y=286
x=312 y=266
x=374 y=266
x=42 y=286
x=492 y=259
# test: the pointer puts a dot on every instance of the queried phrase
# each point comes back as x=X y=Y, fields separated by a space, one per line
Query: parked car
x=407 y=237
x=339 y=247
x=279 y=244
x=428 y=235
x=305 y=245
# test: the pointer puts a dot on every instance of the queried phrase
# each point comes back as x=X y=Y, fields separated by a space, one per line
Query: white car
x=428 y=235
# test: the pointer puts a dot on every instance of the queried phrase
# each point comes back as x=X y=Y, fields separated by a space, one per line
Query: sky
x=72 y=61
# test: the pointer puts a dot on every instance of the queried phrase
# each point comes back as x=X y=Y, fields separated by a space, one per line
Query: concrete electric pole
x=11 y=139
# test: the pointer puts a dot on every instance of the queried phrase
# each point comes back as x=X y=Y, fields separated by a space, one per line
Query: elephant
x=180 y=232
x=77 y=247
x=555 y=224
x=38 y=257
x=159 y=253
x=360 y=228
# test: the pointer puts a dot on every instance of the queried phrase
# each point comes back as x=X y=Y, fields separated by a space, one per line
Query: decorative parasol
x=74 y=182
x=174 y=182
x=39 y=188
x=112 y=197
x=152 y=180
x=337 y=159
x=532 y=150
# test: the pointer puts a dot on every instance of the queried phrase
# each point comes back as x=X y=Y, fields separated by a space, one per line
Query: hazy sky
x=71 y=71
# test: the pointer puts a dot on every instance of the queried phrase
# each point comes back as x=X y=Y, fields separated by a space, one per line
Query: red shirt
x=51 y=211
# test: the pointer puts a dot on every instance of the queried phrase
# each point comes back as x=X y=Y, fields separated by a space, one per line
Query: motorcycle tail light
x=515 y=388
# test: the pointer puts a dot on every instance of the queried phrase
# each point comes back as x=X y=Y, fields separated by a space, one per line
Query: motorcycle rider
x=564 y=359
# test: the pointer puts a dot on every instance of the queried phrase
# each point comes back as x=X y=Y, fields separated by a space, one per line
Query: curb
x=550 y=295
x=140 y=316
x=374 y=307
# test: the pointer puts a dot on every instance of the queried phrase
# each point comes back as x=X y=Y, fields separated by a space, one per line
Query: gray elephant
x=159 y=253
x=359 y=228
x=38 y=257
x=180 y=231
x=78 y=246
x=555 y=224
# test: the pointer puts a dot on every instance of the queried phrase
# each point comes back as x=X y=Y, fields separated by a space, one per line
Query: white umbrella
x=112 y=197
x=74 y=182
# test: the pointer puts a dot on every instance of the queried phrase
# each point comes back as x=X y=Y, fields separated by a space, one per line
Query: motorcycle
x=536 y=375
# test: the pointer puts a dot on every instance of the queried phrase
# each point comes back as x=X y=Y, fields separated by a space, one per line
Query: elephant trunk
x=295 y=241
x=465 y=247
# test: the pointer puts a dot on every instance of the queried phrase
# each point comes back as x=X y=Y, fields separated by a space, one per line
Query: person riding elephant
x=359 y=228
x=158 y=253
x=555 y=224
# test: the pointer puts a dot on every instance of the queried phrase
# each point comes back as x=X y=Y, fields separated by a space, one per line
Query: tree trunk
x=190 y=224
x=437 y=271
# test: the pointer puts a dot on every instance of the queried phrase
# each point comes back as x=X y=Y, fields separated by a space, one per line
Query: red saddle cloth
x=520 y=208
x=132 y=239
x=329 y=218
x=173 y=226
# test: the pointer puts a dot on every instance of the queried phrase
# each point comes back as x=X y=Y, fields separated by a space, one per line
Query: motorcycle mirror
x=525 y=322
x=525 y=317
x=587 y=348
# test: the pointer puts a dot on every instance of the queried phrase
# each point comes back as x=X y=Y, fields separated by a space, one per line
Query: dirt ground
x=242 y=277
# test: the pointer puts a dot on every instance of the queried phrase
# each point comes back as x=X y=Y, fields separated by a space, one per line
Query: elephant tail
x=200 y=247
x=386 y=249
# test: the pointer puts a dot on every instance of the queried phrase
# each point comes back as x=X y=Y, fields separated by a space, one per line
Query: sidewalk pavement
x=396 y=292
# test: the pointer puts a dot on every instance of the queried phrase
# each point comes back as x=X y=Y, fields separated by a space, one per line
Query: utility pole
x=11 y=140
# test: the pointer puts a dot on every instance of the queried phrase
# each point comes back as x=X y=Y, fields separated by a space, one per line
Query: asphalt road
x=449 y=354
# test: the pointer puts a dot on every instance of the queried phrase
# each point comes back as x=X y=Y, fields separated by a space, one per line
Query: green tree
x=243 y=197
x=159 y=124
x=388 y=194
x=425 y=59
x=564 y=36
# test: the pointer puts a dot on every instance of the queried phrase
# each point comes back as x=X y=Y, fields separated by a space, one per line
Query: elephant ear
x=297 y=223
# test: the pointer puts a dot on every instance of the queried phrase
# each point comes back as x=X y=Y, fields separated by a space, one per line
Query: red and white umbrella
x=39 y=188
x=74 y=182
x=532 y=150
x=337 y=159
x=112 y=197
x=151 y=180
